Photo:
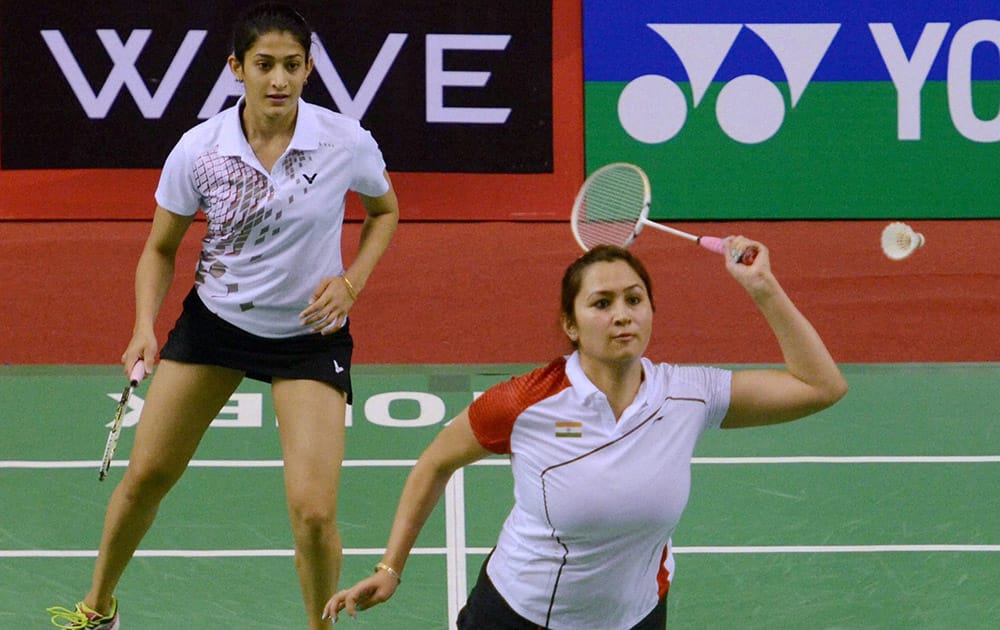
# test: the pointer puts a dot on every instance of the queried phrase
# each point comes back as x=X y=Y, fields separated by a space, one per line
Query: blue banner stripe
x=619 y=46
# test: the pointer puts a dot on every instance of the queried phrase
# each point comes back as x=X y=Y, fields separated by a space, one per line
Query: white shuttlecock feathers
x=899 y=240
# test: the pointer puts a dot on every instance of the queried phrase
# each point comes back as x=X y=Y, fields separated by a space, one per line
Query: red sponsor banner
x=540 y=186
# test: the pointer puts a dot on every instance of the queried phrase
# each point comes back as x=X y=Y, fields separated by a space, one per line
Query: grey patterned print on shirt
x=237 y=204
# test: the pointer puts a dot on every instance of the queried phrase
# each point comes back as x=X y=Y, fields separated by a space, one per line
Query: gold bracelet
x=381 y=566
x=350 y=288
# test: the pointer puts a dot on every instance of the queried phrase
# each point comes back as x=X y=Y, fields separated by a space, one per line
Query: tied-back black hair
x=269 y=17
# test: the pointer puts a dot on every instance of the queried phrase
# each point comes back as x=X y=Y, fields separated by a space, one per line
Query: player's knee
x=313 y=519
x=148 y=483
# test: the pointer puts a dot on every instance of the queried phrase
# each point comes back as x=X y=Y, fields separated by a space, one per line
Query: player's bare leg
x=181 y=402
x=311 y=424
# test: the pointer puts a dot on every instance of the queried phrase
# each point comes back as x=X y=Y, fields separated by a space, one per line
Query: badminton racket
x=135 y=377
x=612 y=207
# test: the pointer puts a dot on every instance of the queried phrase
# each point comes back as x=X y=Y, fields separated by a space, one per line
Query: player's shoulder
x=331 y=125
x=678 y=379
x=522 y=391
x=543 y=381
x=493 y=414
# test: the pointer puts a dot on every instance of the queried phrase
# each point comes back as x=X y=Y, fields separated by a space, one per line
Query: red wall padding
x=488 y=292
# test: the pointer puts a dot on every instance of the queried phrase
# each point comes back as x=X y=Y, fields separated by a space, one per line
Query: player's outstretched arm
x=455 y=446
x=810 y=381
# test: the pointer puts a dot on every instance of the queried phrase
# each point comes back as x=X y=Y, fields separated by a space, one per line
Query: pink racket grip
x=717 y=245
x=138 y=373
x=712 y=244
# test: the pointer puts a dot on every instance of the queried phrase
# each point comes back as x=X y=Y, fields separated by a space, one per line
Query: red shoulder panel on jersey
x=493 y=414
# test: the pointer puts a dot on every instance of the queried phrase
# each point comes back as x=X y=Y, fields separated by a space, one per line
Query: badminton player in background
x=600 y=445
x=270 y=301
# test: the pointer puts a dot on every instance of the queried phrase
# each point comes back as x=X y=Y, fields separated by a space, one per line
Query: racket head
x=611 y=206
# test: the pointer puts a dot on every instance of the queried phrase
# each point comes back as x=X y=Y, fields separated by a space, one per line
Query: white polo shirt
x=587 y=543
x=271 y=236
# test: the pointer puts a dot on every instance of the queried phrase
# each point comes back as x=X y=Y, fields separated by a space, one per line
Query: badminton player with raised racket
x=270 y=301
x=600 y=444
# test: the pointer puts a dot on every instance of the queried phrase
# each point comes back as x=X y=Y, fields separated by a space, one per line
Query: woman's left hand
x=369 y=592
x=328 y=306
x=749 y=262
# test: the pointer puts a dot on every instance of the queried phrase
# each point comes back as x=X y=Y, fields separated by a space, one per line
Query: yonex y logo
x=750 y=109
x=310 y=178
x=336 y=367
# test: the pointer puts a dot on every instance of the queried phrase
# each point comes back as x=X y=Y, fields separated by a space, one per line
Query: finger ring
x=737 y=254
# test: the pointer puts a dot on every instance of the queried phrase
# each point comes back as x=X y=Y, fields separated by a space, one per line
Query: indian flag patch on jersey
x=567 y=429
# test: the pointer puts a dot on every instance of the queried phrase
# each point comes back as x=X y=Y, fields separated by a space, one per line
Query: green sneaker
x=84 y=617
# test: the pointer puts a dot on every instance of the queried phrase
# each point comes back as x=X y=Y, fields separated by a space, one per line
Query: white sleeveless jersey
x=271 y=236
x=587 y=543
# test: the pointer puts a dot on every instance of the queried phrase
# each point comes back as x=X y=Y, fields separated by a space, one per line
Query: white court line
x=776 y=549
x=855 y=459
x=202 y=553
x=405 y=463
x=823 y=459
x=838 y=549
x=437 y=551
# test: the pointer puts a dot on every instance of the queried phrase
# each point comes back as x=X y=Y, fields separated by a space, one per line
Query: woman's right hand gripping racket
x=135 y=377
x=612 y=207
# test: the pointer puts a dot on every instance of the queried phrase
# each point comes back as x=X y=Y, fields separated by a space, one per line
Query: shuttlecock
x=899 y=240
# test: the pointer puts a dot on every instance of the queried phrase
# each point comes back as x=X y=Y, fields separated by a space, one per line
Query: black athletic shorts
x=486 y=609
x=201 y=336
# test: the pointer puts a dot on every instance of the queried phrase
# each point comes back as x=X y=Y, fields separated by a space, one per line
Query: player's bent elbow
x=833 y=392
x=842 y=388
x=822 y=396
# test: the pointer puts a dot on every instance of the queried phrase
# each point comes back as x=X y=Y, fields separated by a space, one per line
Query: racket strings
x=611 y=208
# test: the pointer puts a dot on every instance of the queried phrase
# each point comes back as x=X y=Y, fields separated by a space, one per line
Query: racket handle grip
x=138 y=373
x=712 y=244
x=717 y=245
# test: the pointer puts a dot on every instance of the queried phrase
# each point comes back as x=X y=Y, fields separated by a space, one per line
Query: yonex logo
x=750 y=109
x=310 y=178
